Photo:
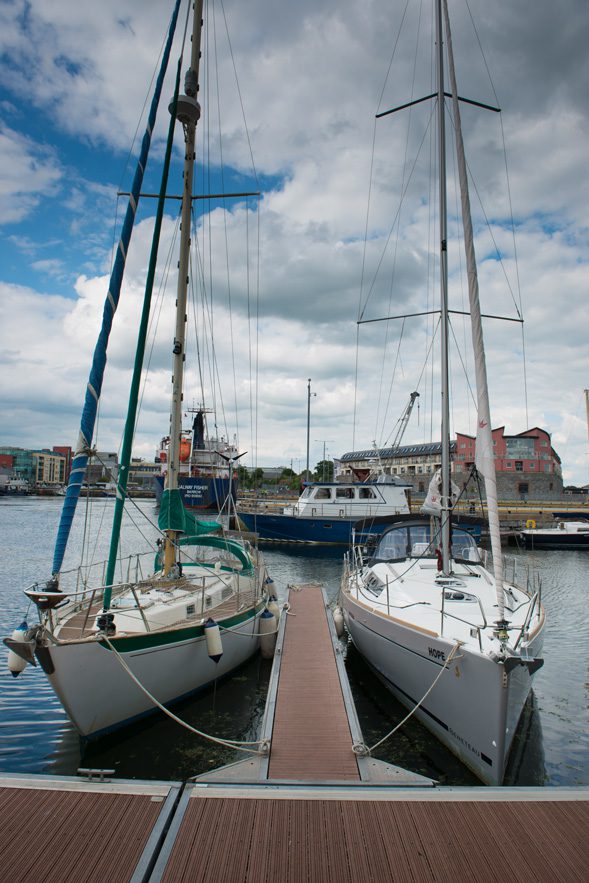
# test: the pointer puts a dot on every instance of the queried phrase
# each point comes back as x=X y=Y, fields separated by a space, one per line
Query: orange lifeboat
x=184 y=450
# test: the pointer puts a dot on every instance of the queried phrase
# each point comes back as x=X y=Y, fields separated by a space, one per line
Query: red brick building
x=526 y=464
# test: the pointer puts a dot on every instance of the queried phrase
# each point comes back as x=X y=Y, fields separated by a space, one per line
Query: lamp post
x=309 y=394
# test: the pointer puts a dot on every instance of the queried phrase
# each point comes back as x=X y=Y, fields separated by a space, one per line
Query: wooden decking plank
x=296 y=840
x=57 y=835
x=311 y=737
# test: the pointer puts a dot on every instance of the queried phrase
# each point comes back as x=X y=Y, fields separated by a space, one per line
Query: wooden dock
x=57 y=830
x=314 y=807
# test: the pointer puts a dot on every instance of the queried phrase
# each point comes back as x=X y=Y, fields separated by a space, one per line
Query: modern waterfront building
x=49 y=468
x=22 y=464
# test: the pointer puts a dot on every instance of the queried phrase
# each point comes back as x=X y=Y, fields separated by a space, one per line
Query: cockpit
x=419 y=540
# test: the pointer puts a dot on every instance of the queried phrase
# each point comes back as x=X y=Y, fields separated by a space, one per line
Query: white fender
x=213 y=638
x=14 y=662
x=338 y=621
x=273 y=607
x=267 y=629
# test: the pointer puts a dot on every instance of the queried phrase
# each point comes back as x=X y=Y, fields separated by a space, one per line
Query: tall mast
x=446 y=508
x=188 y=114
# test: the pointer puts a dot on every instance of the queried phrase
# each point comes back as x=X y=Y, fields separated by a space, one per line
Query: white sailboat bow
x=113 y=650
x=456 y=643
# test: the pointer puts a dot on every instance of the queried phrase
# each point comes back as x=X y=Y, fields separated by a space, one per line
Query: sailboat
x=116 y=650
x=457 y=643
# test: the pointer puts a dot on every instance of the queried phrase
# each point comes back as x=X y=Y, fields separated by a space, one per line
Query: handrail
x=528 y=618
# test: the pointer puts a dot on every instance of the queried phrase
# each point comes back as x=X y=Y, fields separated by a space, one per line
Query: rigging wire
x=508 y=182
x=396 y=245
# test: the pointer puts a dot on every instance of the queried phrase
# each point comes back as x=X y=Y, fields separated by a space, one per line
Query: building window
x=523 y=487
x=531 y=465
x=546 y=467
x=508 y=464
x=519 y=466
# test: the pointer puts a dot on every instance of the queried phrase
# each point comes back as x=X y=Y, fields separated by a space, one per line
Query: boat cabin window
x=416 y=540
x=344 y=493
x=366 y=493
x=306 y=493
x=323 y=493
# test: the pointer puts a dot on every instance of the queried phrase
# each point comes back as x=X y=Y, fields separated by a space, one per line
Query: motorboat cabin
x=352 y=500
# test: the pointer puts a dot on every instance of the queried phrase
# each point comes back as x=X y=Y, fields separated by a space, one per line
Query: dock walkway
x=57 y=830
x=311 y=738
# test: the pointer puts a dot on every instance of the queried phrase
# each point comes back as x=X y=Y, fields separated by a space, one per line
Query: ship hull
x=280 y=528
x=199 y=492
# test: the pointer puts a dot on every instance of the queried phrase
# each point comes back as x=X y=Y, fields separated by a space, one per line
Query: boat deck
x=81 y=624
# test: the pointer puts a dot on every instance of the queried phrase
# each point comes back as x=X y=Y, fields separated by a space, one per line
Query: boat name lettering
x=464 y=742
x=436 y=654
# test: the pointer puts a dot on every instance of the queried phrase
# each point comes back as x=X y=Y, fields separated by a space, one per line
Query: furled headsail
x=94 y=386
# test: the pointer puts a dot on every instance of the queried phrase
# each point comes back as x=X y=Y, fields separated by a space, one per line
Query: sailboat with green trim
x=117 y=651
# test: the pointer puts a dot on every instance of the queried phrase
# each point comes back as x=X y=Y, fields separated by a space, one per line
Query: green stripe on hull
x=176 y=636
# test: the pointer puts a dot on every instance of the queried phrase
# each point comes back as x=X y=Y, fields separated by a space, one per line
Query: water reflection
x=159 y=748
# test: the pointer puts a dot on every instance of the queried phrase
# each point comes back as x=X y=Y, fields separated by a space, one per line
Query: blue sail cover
x=94 y=387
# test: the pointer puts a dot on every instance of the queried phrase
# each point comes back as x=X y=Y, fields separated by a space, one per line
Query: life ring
x=530 y=523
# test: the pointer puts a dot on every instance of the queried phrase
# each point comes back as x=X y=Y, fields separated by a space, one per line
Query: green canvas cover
x=173 y=516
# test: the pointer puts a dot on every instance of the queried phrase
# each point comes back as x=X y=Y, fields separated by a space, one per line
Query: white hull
x=474 y=707
x=99 y=695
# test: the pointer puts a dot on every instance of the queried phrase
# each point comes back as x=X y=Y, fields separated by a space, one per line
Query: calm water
x=552 y=744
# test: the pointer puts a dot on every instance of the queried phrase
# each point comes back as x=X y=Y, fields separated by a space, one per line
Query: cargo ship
x=206 y=463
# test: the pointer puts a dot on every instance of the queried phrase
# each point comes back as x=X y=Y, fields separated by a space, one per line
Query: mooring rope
x=264 y=745
x=451 y=656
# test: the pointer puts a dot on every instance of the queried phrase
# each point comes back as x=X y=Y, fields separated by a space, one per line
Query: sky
x=345 y=226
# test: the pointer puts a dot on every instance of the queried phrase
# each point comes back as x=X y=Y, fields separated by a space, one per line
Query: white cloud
x=27 y=172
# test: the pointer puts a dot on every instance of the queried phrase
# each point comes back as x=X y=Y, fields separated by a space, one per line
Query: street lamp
x=309 y=394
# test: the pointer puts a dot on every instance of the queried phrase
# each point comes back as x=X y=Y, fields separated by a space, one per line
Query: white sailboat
x=456 y=643
x=112 y=649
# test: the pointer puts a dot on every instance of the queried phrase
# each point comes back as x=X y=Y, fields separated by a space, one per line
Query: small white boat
x=457 y=643
x=566 y=535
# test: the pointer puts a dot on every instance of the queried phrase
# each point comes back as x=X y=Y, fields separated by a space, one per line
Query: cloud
x=27 y=172
x=311 y=78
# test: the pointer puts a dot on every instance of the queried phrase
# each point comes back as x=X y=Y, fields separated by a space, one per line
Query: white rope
x=453 y=652
x=228 y=743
